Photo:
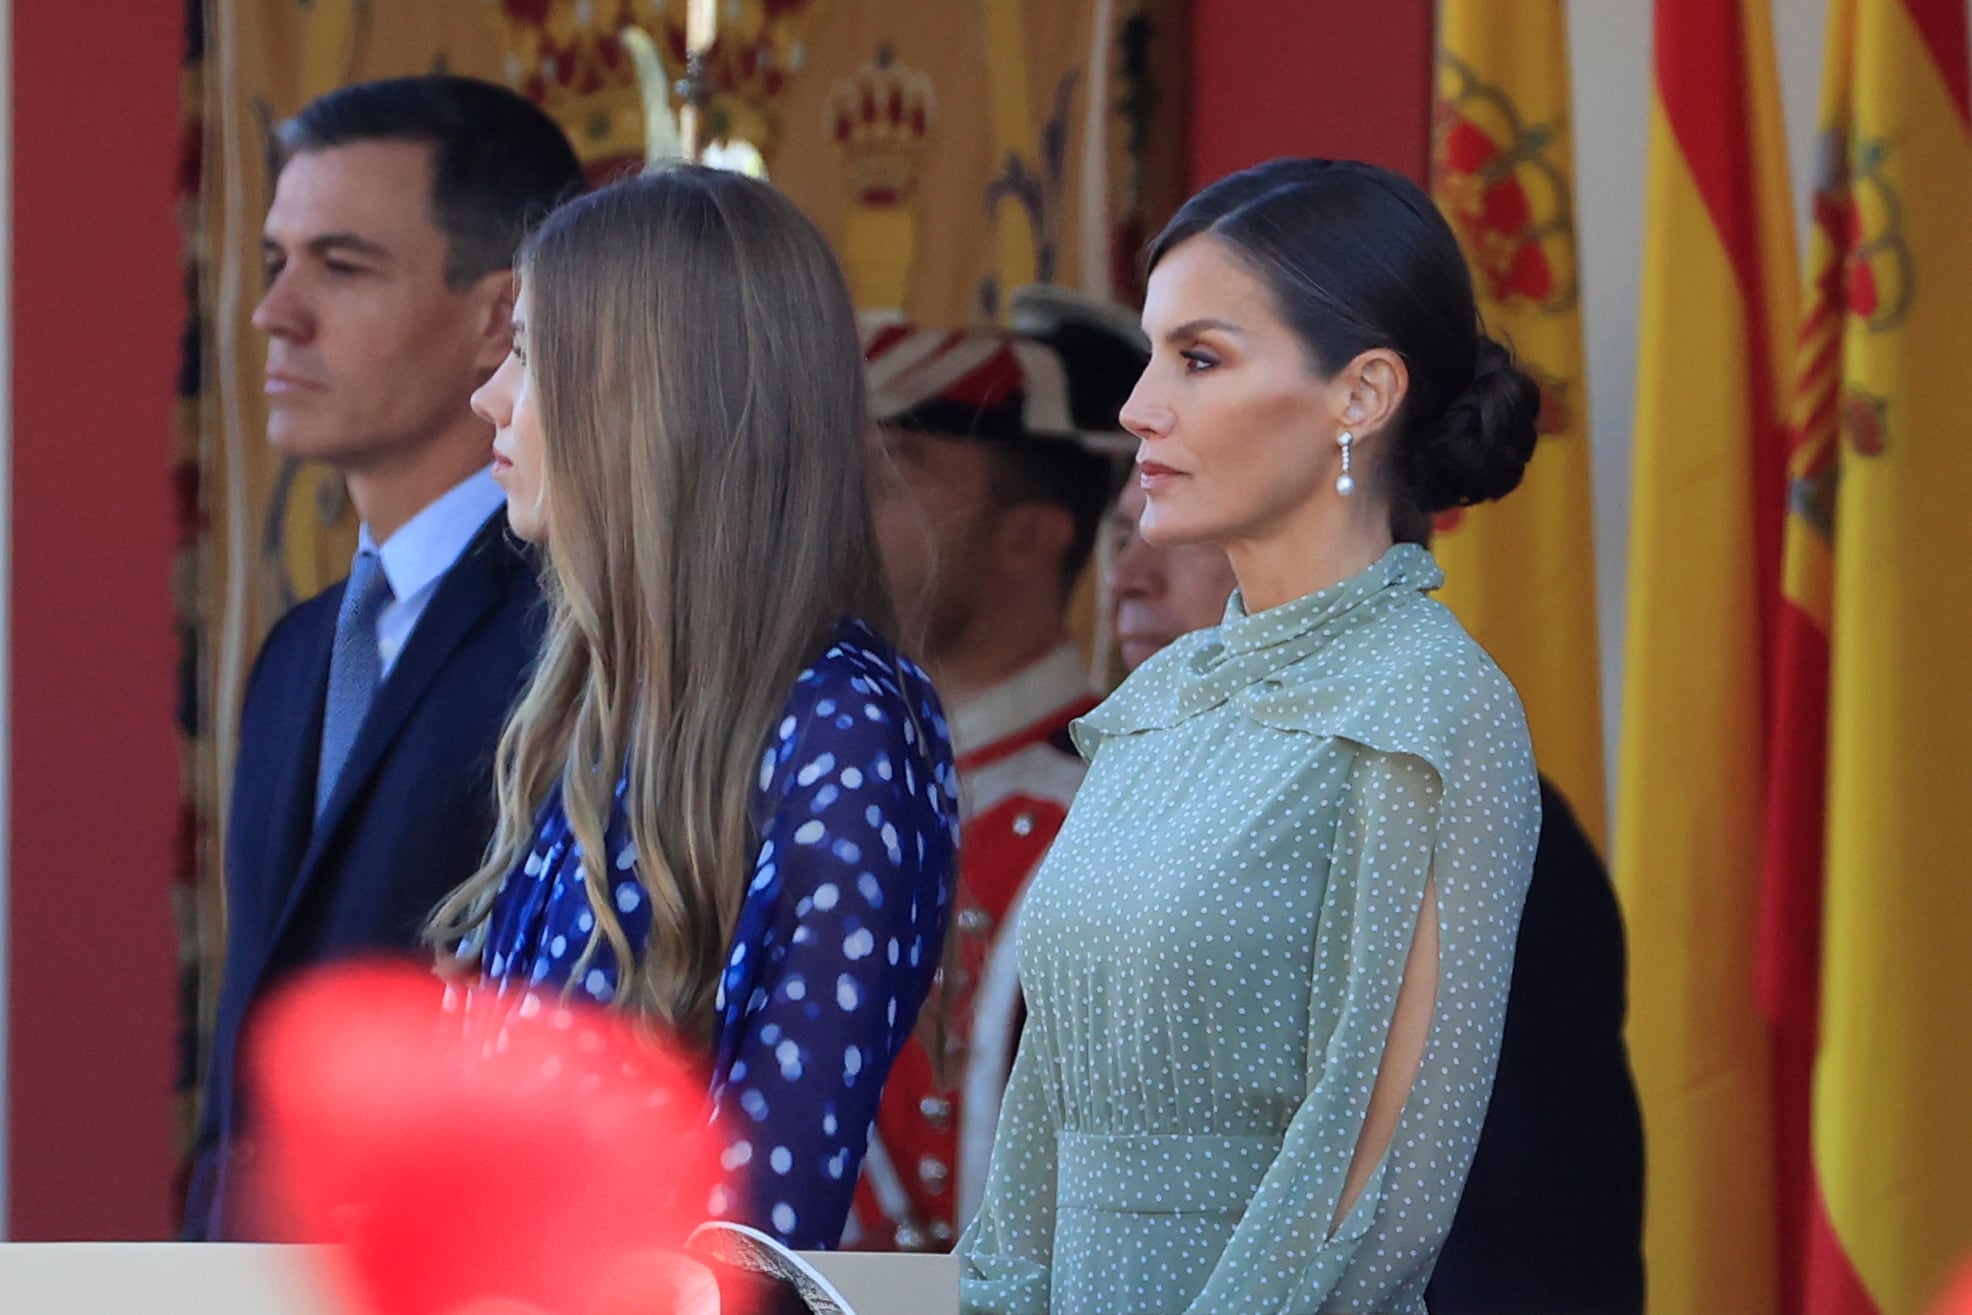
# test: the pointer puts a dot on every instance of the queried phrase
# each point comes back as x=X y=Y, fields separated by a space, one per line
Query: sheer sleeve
x=1396 y=833
x=837 y=942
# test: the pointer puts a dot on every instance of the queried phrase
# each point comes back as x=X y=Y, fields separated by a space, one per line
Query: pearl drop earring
x=1345 y=483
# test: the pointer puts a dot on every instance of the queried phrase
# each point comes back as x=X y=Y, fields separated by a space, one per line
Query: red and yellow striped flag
x=1521 y=573
x=1718 y=296
x=1866 y=969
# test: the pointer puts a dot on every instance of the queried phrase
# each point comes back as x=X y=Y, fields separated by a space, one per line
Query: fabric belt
x=1138 y=1174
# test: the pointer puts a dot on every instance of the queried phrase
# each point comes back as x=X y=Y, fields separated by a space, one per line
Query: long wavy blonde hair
x=701 y=389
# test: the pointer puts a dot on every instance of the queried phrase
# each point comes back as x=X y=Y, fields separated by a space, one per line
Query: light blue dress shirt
x=417 y=557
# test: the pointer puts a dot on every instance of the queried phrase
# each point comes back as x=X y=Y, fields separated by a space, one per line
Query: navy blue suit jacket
x=409 y=819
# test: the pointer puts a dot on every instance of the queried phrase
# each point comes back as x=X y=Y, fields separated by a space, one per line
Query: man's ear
x=491 y=302
x=1033 y=537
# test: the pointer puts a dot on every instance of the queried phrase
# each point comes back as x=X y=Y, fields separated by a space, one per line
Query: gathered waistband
x=1161 y=1174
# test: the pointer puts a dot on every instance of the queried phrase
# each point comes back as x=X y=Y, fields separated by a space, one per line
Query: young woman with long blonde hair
x=726 y=802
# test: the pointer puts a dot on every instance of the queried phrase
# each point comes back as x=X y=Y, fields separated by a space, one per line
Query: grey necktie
x=355 y=669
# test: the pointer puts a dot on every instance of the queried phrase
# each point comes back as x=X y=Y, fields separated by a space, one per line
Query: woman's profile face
x=1238 y=430
x=510 y=402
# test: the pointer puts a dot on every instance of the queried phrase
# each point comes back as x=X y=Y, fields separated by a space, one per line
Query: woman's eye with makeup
x=1197 y=360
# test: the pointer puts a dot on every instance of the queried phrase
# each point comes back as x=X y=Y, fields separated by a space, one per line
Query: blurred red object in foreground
x=474 y=1152
x=1958 y=1298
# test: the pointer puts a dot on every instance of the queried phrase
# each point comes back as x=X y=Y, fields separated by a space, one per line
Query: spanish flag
x=1865 y=966
x=1521 y=573
x=1717 y=316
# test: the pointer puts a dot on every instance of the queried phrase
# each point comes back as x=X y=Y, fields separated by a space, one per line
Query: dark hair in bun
x=1485 y=441
x=1357 y=258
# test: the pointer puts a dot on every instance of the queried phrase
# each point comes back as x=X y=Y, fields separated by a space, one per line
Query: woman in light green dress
x=1266 y=961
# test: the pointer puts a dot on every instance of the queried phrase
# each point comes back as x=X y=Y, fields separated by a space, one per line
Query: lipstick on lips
x=1154 y=475
x=279 y=384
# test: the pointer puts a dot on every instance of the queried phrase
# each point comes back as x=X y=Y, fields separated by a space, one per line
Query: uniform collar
x=1031 y=695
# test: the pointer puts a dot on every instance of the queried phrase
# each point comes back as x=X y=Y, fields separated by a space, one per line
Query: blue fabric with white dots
x=837 y=940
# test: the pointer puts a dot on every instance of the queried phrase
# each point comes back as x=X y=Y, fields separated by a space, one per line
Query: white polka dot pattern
x=1211 y=956
x=858 y=839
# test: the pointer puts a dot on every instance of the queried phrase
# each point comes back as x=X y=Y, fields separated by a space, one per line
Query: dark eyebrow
x=350 y=244
x=331 y=243
x=1192 y=328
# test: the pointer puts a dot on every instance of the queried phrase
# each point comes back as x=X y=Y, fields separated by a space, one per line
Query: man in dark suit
x=1551 y=1222
x=363 y=790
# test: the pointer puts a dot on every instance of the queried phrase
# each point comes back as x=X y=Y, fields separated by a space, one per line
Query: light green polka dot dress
x=1211 y=955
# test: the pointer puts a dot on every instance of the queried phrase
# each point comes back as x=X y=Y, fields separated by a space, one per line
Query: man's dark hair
x=1100 y=356
x=499 y=163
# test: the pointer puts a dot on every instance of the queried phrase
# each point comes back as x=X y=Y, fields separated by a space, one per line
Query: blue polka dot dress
x=1211 y=955
x=837 y=940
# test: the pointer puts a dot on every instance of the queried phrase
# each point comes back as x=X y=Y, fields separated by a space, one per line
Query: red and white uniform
x=926 y=1166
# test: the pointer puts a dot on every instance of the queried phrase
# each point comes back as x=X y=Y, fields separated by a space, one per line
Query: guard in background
x=1004 y=452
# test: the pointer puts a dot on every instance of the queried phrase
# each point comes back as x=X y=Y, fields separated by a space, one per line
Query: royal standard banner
x=951 y=153
x=1521 y=573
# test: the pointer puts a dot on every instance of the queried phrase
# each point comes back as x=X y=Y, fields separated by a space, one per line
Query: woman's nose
x=492 y=401
x=1144 y=415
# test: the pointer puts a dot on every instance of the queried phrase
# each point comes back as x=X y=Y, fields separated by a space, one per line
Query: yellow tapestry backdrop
x=951 y=150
